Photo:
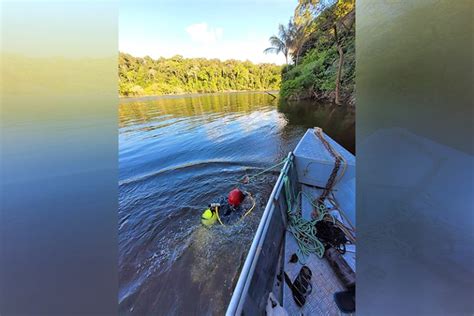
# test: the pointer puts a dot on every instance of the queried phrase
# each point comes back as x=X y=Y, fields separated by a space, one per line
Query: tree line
x=319 y=45
x=175 y=75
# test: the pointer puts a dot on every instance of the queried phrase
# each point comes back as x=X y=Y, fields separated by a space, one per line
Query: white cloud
x=249 y=47
x=242 y=49
x=202 y=33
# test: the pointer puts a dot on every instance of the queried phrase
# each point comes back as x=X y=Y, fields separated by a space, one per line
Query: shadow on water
x=336 y=121
x=176 y=156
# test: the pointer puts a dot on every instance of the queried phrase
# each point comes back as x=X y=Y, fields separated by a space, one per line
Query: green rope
x=303 y=230
x=268 y=169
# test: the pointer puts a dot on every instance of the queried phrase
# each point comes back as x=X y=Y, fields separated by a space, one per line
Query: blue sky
x=226 y=29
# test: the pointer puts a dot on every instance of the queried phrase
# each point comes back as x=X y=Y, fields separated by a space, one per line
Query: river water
x=177 y=155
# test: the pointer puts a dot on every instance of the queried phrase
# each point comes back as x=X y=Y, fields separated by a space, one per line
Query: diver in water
x=224 y=208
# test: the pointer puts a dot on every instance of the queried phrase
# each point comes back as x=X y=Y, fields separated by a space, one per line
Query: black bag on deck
x=331 y=235
x=335 y=241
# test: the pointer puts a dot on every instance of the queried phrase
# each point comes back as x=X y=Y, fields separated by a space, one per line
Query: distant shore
x=187 y=94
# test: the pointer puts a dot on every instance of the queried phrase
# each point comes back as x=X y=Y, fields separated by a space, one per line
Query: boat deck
x=272 y=247
x=324 y=281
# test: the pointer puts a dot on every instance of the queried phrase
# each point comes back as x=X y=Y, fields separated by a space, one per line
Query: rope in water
x=218 y=217
x=247 y=212
x=247 y=179
x=250 y=209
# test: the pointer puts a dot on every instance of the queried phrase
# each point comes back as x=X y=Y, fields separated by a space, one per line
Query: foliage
x=329 y=32
x=282 y=42
x=316 y=71
x=146 y=76
x=289 y=41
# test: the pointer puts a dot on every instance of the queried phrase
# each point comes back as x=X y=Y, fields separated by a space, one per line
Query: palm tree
x=289 y=41
x=283 y=42
x=299 y=37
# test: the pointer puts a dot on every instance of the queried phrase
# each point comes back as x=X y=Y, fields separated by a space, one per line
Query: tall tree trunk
x=339 y=72
x=339 y=67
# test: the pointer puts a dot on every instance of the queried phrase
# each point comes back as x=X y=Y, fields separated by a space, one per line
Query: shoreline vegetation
x=274 y=93
x=178 y=75
x=319 y=40
x=318 y=44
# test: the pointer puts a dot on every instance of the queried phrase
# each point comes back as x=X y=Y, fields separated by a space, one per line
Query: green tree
x=322 y=47
x=147 y=76
x=282 y=42
x=335 y=21
x=289 y=41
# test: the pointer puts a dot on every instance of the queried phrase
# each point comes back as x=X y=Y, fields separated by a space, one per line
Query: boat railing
x=256 y=278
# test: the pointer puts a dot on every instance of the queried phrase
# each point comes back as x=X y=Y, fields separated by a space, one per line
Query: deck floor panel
x=324 y=280
x=325 y=283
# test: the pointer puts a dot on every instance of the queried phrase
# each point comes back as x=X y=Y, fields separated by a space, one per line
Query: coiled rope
x=303 y=231
x=246 y=180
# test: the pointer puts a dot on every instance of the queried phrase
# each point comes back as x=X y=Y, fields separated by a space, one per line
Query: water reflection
x=336 y=121
x=178 y=154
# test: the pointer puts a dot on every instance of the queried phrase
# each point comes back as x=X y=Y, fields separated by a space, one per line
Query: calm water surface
x=177 y=155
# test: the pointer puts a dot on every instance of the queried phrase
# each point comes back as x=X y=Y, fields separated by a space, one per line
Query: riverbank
x=177 y=75
x=323 y=67
x=181 y=95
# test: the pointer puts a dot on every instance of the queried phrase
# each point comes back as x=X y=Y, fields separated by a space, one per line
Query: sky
x=225 y=29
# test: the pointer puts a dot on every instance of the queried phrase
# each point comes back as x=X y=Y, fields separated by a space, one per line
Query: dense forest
x=147 y=76
x=320 y=41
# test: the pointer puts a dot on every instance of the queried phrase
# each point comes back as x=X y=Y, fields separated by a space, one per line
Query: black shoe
x=302 y=287
x=345 y=301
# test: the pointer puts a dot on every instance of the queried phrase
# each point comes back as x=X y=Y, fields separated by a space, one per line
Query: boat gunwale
x=240 y=294
x=236 y=303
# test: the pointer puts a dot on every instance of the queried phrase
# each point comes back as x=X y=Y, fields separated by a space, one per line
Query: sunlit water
x=177 y=155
